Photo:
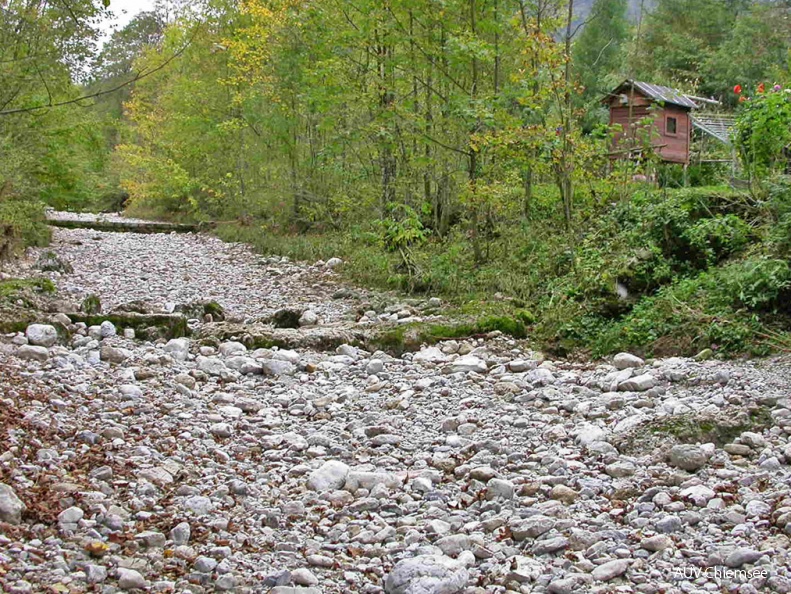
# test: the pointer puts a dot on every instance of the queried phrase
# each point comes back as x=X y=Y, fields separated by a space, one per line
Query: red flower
x=761 y=88
x=742 y=99
x=737 y=89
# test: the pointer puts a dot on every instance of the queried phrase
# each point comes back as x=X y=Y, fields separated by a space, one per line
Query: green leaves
x=763 y=132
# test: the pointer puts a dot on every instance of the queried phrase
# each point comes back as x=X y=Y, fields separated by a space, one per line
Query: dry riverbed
x=471 y=466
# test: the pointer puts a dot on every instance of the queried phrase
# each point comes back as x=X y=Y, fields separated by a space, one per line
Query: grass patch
x=410 y=337
x=16 y=287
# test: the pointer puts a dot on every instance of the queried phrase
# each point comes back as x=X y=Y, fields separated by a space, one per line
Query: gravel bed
x=471 y=466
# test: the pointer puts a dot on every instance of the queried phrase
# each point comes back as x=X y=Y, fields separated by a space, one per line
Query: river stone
x=333 y=263
x=427 y=574
x=627 y=360
x=178 y=348
x=32 y=353
x=71 y=515
x=230 y=348
x=656 y=543
x=11 y=506
x=180 y=534
x=113 y=354
x=107 y=329
x=430 y=355
x=532 y=527
x=466 y=364
x=198 y=505
x=41 y=335
x=275 y=367
x=304 y=577
x=330 y=476
x=640 y=383
x=212 y=365
x=688 y=457
x=742 y=556
x=610 y=570
x=130 y=579
x=357 y=479
x=499 y=489
x=308 y=318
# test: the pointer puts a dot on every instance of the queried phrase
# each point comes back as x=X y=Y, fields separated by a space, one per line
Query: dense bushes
x=660 y=272
x=21 y=225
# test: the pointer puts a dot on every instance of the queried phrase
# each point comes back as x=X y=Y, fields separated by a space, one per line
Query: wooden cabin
x=633 y=103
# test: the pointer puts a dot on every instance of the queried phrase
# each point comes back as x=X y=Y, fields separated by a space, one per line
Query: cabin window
x=671 y=126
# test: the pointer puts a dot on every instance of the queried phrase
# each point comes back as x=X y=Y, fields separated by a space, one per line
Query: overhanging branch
x=140 y=75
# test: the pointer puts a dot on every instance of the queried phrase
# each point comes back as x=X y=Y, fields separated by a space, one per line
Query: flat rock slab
x=171 y=325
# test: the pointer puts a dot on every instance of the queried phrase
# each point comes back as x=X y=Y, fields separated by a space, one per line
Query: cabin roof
x=656 y=93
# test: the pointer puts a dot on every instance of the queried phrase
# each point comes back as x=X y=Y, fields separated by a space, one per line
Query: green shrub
x=755 y=284
x=718 y=237
x=22 y=224
x=659 y=272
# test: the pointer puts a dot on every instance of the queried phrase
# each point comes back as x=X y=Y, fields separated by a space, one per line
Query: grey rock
x=466 y=364
x=660 y=542
x=499 y=489
x=204 y=564
x=180 y=534
x=304 y=577
x=742 y=556
x=95 y=574
x=107 y=329
x=71 y=515
x=532 y=527
x=212 y=365
x=178 y=348
x=550 y=545
x=230 y=348
x=130 y=579
x=427 y=574
x=114 y=354
x=357 y=479
x=640 y=383
x=276 y=368
x=522 y=365
x=688 y=457
x=454 y=544
x=330 y=476
x=374 y=367
x=226 y=583
x=198 y=505
x=41 y=335
x=33 y=353
x=222 y=430
x=151 y=538
x=669 y=524
x=308 y=318
x=610 y=570
x=11 y=506
x=627 y=360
